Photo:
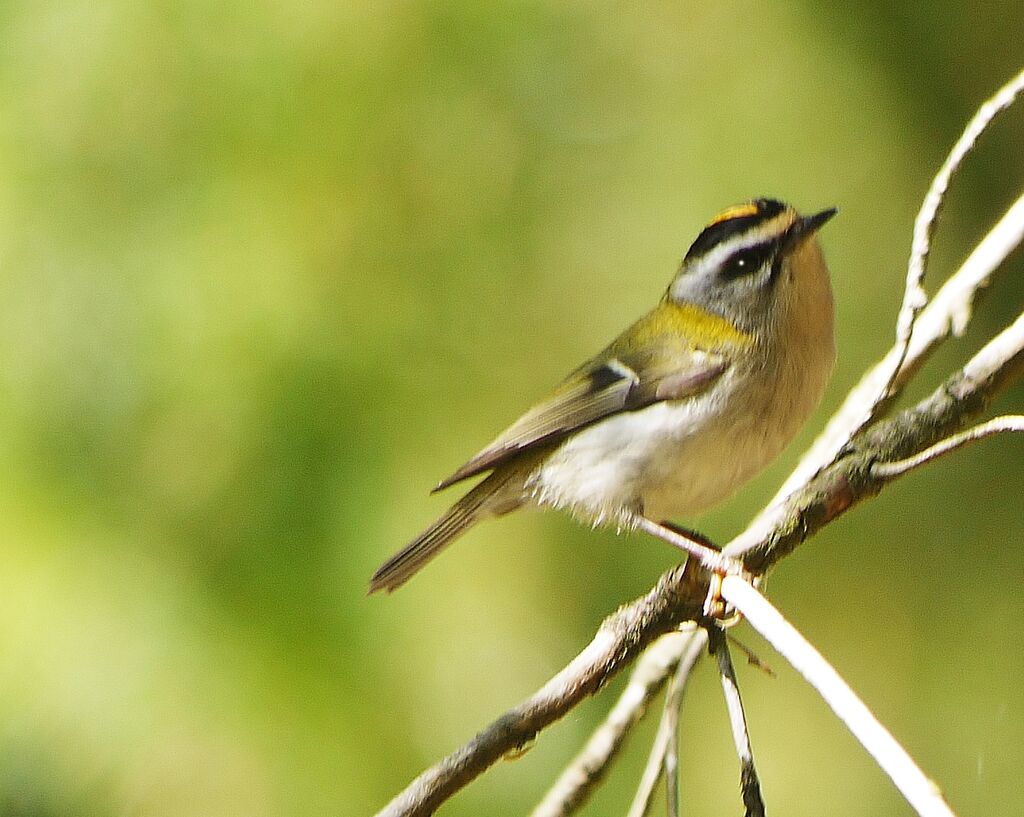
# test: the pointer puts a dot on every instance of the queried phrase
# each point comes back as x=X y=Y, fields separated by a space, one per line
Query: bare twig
x=848 y=480
x=950 y=310
x=621 y=637
x=998 y=425
x=753 y=659
x=922 y=794
x=914 y=297
x=709 y=558
x=587 y=769
x=947 y=314
x=750 y=785
x=671 y=767
x=667 y=729
x=670 y=720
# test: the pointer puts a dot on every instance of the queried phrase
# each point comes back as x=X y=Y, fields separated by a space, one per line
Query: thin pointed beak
x=812 y=224
x=807 y=226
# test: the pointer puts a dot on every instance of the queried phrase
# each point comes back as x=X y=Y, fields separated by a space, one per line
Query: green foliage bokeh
x=271 y=270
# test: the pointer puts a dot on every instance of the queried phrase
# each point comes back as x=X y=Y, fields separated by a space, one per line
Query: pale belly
x=671 y=459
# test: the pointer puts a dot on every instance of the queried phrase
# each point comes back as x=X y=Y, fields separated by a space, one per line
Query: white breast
x=652 y=461
x=676 y=458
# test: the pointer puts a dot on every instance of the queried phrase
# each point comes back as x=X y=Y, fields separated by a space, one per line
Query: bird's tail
x=474 y=506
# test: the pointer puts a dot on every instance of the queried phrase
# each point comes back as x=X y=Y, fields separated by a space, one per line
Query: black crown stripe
x=719 y=230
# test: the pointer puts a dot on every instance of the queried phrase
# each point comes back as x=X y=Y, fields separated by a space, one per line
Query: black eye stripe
x=748 y=260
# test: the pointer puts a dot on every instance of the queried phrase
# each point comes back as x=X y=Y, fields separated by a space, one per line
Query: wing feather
x=607 y=385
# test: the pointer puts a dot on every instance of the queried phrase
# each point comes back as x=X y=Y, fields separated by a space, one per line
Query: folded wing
x=609 y=384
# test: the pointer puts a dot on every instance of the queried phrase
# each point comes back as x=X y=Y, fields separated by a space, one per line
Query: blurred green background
x=271 y=270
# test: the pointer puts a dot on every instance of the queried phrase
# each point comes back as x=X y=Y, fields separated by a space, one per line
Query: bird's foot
x=707 y=555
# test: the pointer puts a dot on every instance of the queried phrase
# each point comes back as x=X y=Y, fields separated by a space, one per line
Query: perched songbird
x=686 y=405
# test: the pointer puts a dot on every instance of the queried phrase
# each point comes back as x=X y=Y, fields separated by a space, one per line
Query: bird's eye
x=745 y=262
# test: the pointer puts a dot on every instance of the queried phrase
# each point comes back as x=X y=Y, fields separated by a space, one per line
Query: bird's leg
x=691 y=534
x=704 y=552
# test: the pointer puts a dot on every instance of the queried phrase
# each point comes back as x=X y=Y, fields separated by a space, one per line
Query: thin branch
x=621 y=637
x=950 y=310
x=667 y=727
x=849 y=480
x=670 y=719
x=588 y=768
x=709 y=558
x=998 y=425
x=671 y=767
x=753 y=659
x=922 y=794
x=947 y=314
x=750 y=785
x=915 y=298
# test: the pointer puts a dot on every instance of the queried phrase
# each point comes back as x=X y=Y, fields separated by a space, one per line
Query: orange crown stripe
x=737 y=211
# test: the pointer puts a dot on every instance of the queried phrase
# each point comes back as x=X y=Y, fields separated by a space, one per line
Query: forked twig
x=915 y=338
x=997 y=425
x=946 y=314
x=621 y=638
x=587 y=769
x=668 y=727
x=919 y=791
x=915 y=298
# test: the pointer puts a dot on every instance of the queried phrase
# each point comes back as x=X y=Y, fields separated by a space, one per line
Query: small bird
x=681 y=409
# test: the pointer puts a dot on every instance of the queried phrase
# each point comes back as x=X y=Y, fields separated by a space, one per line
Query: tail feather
x=465 y=513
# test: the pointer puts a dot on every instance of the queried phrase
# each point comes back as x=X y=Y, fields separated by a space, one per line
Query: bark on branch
x=622 y=636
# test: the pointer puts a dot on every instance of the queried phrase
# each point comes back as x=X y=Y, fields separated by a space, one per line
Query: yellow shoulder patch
x=736 y=211
x=699 y=329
